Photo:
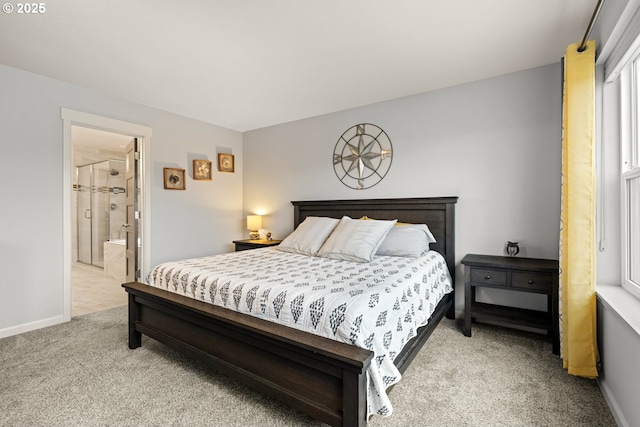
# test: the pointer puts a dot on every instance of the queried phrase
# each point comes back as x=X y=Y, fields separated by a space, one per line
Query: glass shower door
x=93 y=212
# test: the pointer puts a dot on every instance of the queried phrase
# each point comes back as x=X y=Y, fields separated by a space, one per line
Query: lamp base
x=254 y=235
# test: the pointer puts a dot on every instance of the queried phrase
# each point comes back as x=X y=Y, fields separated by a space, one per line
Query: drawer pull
x=530 y=281
x=487 y=277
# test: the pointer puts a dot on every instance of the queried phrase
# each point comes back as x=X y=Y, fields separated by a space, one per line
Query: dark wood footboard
x=323 y=378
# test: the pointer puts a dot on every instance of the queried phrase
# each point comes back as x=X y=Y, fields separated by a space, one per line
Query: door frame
x=143 y=133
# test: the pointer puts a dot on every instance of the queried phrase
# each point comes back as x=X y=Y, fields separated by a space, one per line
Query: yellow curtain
x=579 y=350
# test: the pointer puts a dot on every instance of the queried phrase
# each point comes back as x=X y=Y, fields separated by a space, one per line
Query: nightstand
x=531 y=275
x=243 y=245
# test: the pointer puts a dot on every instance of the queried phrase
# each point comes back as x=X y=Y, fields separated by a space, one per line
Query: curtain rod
x=583 y=45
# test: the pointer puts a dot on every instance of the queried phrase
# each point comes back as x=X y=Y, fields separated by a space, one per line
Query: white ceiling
x=99 y=140
x=246 y=64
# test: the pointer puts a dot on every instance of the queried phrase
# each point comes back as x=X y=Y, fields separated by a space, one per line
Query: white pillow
x=355 y=240
x=408 y=240
x=309 y=236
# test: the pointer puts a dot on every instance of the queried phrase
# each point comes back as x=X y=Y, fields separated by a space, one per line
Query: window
x=630 y=175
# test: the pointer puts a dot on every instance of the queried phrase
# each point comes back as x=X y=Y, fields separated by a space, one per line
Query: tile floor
x=92 y=291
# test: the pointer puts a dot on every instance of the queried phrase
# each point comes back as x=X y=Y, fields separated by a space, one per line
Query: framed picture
x=225 y=162
x=174 y=179
x=202 y=169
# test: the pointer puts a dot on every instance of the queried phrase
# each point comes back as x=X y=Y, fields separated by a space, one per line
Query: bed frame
x=323 y=378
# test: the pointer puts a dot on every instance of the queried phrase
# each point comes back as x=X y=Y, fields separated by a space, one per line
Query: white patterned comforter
x=377 y=305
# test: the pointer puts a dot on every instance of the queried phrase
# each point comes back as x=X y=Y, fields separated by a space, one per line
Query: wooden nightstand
x=512 y=274
x=243 y=245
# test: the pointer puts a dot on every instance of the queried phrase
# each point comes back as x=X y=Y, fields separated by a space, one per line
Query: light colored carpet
x=83 y=374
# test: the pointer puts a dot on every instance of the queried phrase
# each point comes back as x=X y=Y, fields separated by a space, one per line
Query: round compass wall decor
x=362 y=156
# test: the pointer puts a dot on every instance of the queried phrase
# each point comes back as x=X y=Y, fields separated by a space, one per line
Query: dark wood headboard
x=437 y=212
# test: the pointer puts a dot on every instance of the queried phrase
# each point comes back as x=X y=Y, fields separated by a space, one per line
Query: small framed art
x=225 y=162
x=174 y=179
x=202 y=170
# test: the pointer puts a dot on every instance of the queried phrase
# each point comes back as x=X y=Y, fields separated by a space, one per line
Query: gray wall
x=495 y=143
x=607 y=19
x=204 y=219
x=619 y=353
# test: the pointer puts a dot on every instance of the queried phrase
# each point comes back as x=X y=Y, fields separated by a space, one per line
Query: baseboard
x=31 y=326
x=613 y=405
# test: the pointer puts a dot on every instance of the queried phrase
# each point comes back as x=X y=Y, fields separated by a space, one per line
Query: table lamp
x=254 y=223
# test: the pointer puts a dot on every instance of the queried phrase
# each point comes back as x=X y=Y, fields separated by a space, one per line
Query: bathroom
x=100 y=216
x=98 y=219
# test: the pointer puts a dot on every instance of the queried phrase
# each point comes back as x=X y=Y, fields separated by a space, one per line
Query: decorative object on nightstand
x=512 y=248
x=530 y=275
x=254 y=223
x=243 y=245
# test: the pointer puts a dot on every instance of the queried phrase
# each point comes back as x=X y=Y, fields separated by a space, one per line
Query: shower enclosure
x=100 y=208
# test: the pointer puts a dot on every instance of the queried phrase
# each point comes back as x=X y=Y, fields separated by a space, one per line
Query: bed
x=322 y=377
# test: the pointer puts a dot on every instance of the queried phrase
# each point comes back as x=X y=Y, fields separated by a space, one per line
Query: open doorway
x=100 y=219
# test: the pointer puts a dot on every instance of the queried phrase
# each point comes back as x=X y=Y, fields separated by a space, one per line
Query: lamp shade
x=254 y=222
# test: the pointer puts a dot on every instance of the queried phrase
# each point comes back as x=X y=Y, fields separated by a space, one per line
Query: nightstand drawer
x=489 y=277
x=542 y=282
x=242 y=247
